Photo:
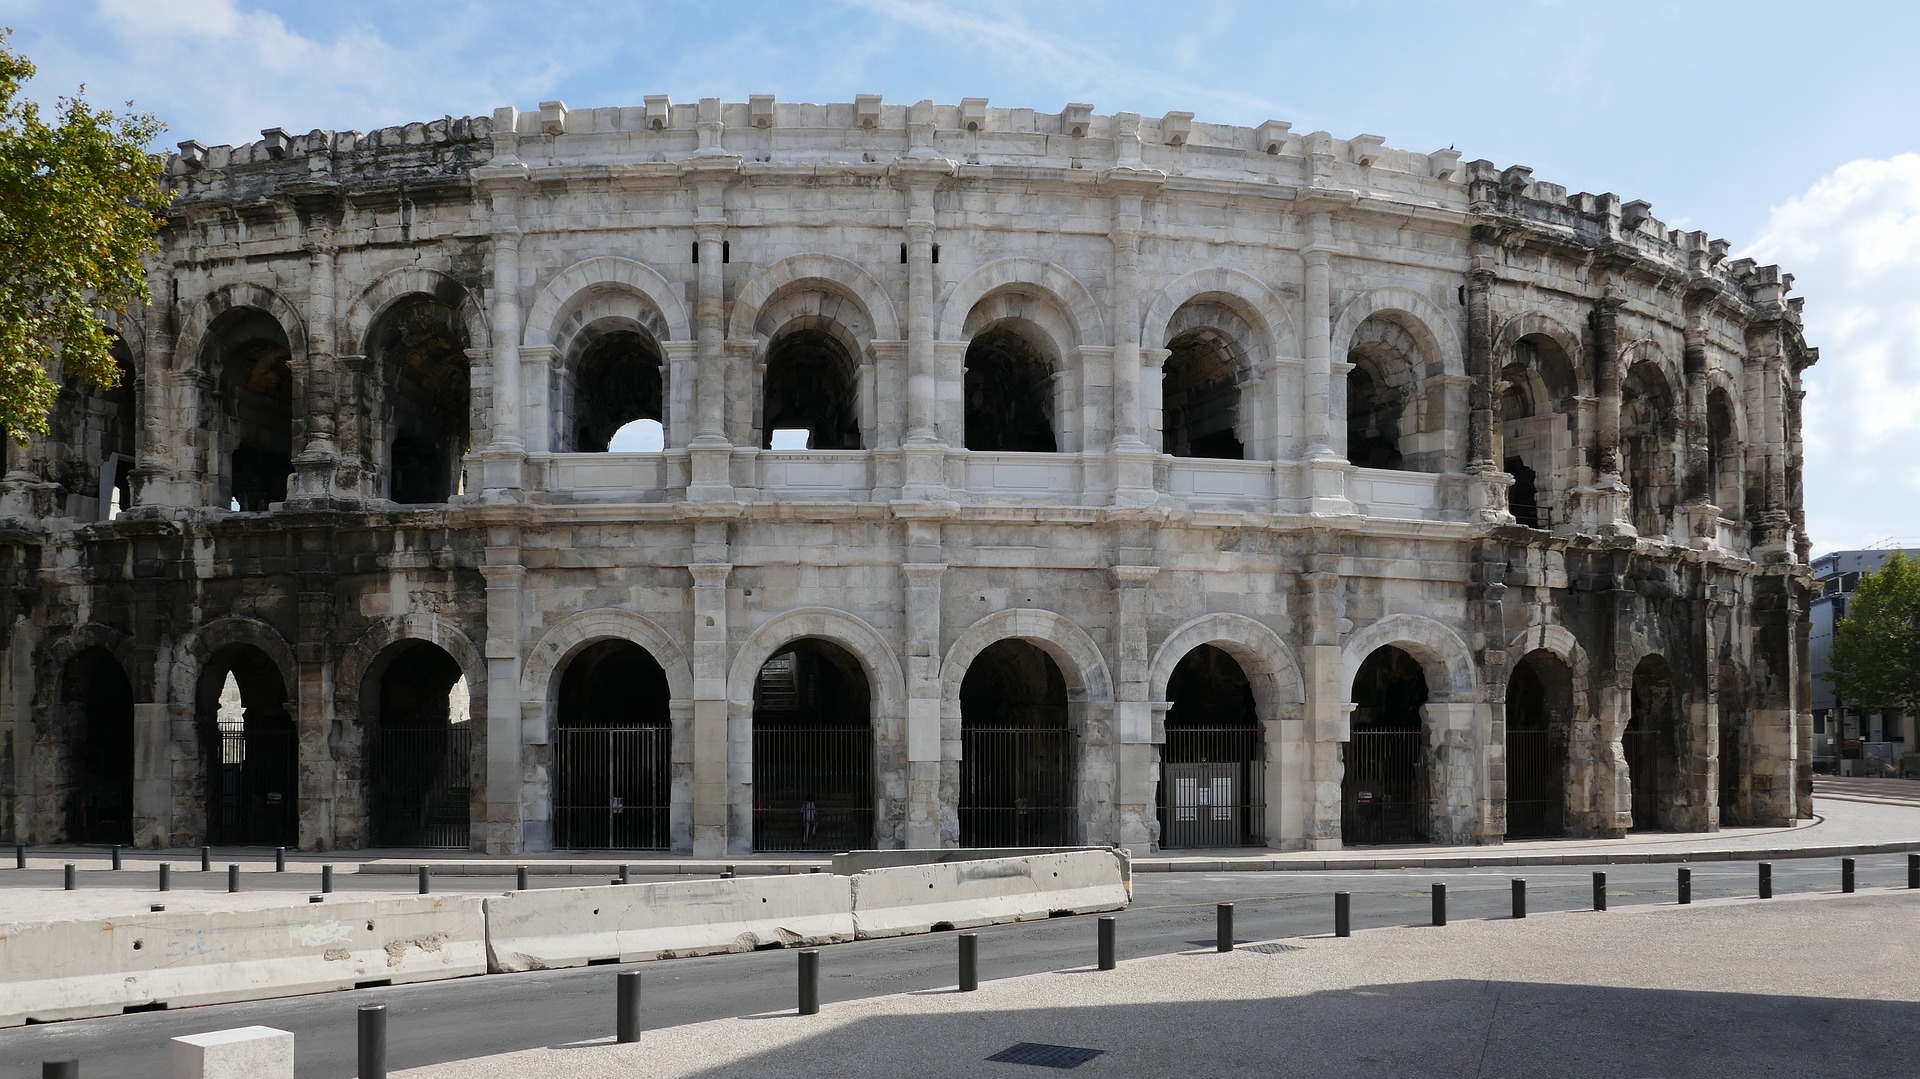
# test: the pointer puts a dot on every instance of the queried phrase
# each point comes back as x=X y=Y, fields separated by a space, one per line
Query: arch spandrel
x=1246 y=295
x=1413 y=312
x=359 y=656
x=580 y=283
x=192 y=338
x=538 y=686
x=1542 y=324
x=199 y=646
x=395 y=285
x=1051 y=282
x=1261 y=653
x=860 y=639
x=1441 y=653
x=830 y=272
x=1555 y=640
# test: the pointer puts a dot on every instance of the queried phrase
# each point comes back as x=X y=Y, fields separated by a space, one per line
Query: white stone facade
x=1290 y=383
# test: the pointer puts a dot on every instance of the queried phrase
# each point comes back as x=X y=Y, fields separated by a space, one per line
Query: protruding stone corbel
x=866 y=110
x=973 y=113
x=1366 y=149
x=1176 y=128
x=553 y=117
x=760 y=110
x=277 y=141
x=1077 y=119
x=1445 y=164
x=659 y=112
x=1271 y=137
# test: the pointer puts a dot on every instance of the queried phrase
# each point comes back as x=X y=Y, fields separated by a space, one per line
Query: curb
x=1490 y=861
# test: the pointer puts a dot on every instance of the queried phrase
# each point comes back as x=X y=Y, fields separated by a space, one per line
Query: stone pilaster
x=710 y=451
x=1603 y=509
x=710 y=734
x=1135 y=757
x=931 y=821
x=507 y=828
x=314 y=464
x=1327 y=467
x=1132 y=459
x=313 y=693
x=1327 y=711
x=923 y=451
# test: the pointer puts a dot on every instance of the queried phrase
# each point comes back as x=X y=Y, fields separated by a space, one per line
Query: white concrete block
x=240 y=1053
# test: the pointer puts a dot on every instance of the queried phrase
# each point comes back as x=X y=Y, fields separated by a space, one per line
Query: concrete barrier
x=860 y=861
x=103 y=966
x=570 y=927
x=916 y=899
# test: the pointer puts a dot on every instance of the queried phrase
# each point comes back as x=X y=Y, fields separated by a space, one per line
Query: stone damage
x=719 y=477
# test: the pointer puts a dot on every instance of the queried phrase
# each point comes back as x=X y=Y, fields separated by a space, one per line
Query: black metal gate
x=1730 y=757
x=1642 y=749
x=1212 y=788
x=420 y=787
x=1383 y=796
x=612 y=788
x=254 y=777
x=1016 y=786
x=1536 y=803
x=829 y=768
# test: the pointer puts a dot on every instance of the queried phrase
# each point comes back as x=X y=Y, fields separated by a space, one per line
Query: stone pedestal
x=241 y=1053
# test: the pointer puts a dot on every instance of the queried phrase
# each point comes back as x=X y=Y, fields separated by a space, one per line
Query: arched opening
x=1736 y=725
x=1649 y=745
x=93 y=750
x=1009 y=392
x=1648 y=442
x=1723 y=455
x=248 y=357
x=1017 y=750
x=1383 y=405
x=251 y=750
x=612 y=751
x=1538 y=383
x=90 y=444
x=419 y=347
x=1539 y=719
x=614 y=381
x=812 y=750
x=1200 y=397
x=419 y=749
x=1385 y=791
x=812 y=385
x=1212 y=770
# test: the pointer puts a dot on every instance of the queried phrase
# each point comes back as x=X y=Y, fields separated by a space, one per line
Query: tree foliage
x=79 y=213
x=1876 y=647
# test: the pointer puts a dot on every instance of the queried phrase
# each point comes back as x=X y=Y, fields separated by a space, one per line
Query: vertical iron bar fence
x=1535 y=806
x=831 y=765
x=1641 y=746
x=420 y=786
x=1016 y=786
x=255 y=779
x=1212 y=788
x=1383 y=795
x=612 y=788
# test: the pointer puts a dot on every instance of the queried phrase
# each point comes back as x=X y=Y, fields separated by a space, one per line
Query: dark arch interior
x=1723 y=465
x=1653 y=761
x=1212 y=771
x=812 y=746
x=420 y=345
x=1736 y=725
x=251 y=751
x=1200 y=397
x=96 y=728
x=1647 y=431
x=617 y=380
x=1017 y=750
x=91 y=441
x=419 y=755
x=1009 y=394
x=248 y=355
x=1385 y=790
x=1539 y=719
x=812 y=385
x=1373 y=419
x=613 y=751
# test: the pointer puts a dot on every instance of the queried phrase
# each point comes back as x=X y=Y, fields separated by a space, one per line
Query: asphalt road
x=452 y=1020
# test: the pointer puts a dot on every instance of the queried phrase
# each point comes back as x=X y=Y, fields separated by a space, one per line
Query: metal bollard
x=426 y=879
x=1686 y=885
x=326 y=878
x=19 y=855
x=116 y=857
x=1439 y=903
x=625 y=876
x=1342 y=914
x=156 y=908
x=627 y=1017
x=1105 y=942
x=1846 y=874
x=279 y=859
x=233 y=878
x=813 y=869
x=1520 y=897
x=727 y=873
x=1223 y=927
x=1766 y=880
x=373 y=1041
x=206 y=859
x=1599 y=891
x=809 y=981
x=969 y=962
x=316 y=899
x=70 y=880
x=166 y=876
x=60 y=1069
x=1913 y=870
x=520 y=878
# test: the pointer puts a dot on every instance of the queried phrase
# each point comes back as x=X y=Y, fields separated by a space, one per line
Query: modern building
x=1840 y=731
x=724 y=477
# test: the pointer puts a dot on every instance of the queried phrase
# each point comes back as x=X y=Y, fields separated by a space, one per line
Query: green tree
x=79 y=213
x=1876 y=648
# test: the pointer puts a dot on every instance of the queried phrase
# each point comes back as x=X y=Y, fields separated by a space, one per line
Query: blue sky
x=1791 y=129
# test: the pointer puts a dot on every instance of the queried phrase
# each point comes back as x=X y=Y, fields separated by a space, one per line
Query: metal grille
x=1272 y=949
x=1016 y=787
x=833 y=765
x=1041 y=1055
x=254 y=780
x=1729 y=774
x=1535 y=806
x=612 y=788
x=1212 y=788
x=1381 y=796
x=1642 y=750
x=420 y=786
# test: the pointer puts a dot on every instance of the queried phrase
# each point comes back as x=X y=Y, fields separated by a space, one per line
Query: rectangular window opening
x=726 y=252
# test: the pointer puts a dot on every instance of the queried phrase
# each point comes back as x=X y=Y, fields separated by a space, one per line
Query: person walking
x=809 y=820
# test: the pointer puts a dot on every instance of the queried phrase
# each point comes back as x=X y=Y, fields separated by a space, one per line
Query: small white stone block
x=241 y=1053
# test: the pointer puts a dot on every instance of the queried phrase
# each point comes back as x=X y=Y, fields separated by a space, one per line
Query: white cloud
x=1852 y=242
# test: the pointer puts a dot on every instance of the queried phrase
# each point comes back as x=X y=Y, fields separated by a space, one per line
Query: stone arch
x=1541 y=324
x=201 y=643
x=539 y=688
x=832 y=273
x=1559 y=641
x=1030 y=277
x=395 y=285
x=1255 y=646
x=1413 y=312
x=1243 y=293
x=49 y=743
x=202 y=315
x=600 y=287
x=377 y=638
x=1070 y=646
x=132 y=330
x=1444 y=657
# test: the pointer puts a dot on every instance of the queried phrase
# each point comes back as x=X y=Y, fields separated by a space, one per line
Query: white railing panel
x=1213 y=482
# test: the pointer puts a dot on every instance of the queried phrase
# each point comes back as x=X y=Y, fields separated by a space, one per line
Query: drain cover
x=1273 y=949
x=1042 y=1055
